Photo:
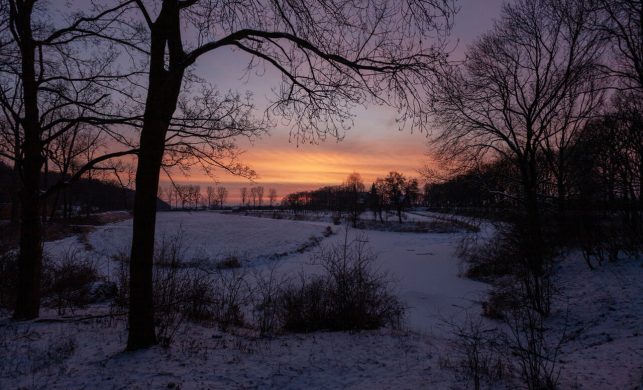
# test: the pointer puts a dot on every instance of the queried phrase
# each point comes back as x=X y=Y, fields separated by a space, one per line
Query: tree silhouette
x=524 y=90
x=52 y=86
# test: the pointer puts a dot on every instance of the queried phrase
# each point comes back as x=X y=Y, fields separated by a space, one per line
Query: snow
x=605 y=306
x=200 y=361
x=206 y=236
x=423 y=265
x=606 y=353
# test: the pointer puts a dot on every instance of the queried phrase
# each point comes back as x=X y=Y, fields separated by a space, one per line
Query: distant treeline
x=602 y=173
x=81 y=197
x=192 y=197
x=395 y=192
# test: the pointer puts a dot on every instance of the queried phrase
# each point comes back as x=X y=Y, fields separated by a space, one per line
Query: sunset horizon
x=288 y=167
x=373 y=146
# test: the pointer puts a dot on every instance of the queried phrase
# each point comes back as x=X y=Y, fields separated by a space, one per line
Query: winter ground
x=602 y=308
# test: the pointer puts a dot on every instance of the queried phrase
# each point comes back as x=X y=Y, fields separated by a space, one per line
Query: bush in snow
x=348 y=295
x=475 y=354
x=267 y=290
x=67 y=281
x=9 y=278
x=228 y=262
x=506 y=261
x=185 y=293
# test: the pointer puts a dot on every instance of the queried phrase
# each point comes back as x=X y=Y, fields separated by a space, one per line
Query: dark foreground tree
x=331 y=55
x=622 y=24
x=49 y=88
x=523 y=91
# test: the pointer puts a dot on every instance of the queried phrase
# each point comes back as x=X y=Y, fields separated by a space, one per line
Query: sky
x=372 y=147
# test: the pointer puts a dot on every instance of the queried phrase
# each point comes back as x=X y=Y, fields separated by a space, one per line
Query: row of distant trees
x=190 y=196
x=602 y=172
x=254 y=196
x=394 y=192
x=97 y=193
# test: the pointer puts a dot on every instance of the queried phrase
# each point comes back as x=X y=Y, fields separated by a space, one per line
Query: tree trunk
x=141 y=305
x=152 y=147
x=162 y=96
x=533 y=246
x=45 y=183
x=30 y=257
x=15 y=195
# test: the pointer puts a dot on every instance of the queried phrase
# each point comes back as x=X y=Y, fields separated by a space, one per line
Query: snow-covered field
x=423 y=265
x=605 y=307
x=608 y=302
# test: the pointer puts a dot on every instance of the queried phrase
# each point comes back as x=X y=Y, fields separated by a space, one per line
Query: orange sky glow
x=287 y=167
x=372 y=147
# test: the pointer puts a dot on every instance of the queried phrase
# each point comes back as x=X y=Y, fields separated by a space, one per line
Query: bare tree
x=382 y=203
x=196 y=196
x=244 y=195
x=69 y=152
x=272 y=196
x=259 y=191
x=222 y=195
x=394 y=191
x=124 y=173
x=522 y=91
x=253 y=196
x=169 y=195
x=50 y=84
x=622 y=22
x=332 y=55
x=211 y=195
x=355 y=188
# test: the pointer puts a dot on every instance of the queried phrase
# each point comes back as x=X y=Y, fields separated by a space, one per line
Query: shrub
x=520 y=273
x=184 y=293
x=505 y=296
x=534 y=351
x=328 y=231
x=229 y=262
x=169 y=251
x=122 y=279
x=179 y=294
x=493 y=258
x=348 y=295
x=266 y=293
x=476 y=354
x=230 y=293
x=9 y=279
x=67 y=281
